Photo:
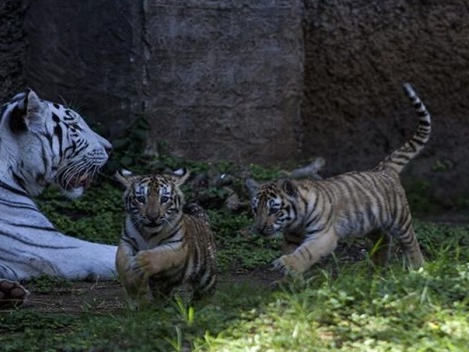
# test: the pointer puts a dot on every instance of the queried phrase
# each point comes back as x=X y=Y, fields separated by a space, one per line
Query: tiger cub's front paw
x=146 y=263
x=289 y=265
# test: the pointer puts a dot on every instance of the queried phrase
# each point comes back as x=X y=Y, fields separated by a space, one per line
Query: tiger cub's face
x=272 y=206
x=153 y=201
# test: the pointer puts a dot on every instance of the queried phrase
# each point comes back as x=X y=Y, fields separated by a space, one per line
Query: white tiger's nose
x=108 y=148
x=105 y=144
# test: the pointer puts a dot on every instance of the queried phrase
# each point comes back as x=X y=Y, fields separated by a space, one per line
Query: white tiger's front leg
x=311 y=250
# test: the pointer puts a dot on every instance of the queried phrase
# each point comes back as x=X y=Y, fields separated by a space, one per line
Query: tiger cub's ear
x=252 y=186
x=288 y=187
x=180 y=175
x=125 y=177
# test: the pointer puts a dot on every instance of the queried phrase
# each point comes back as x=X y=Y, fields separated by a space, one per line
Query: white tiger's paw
x=12 y=294
x=288 y=265
x=146 y=264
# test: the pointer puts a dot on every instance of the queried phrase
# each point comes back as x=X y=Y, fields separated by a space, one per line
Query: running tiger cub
x=315 y=215
x=165 y=244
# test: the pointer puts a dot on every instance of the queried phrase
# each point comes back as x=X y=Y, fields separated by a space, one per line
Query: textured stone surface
x=224 y=79
x=357 y=55
x=12 y=48
x=87 y=54
x=217 y=80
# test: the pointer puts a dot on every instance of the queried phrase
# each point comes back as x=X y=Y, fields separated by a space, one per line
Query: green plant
x=97 y=216
x=238 y=248
x=260 y=173
x=47 y=284
x=419 y=198
x=128 y=149
x=339 y=305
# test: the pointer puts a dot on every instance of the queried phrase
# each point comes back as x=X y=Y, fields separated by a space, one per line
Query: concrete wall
x=12 y=48
x=216 y=79
x=224 y=78
x=357 y=55
x=86 y=53
x=271 y=81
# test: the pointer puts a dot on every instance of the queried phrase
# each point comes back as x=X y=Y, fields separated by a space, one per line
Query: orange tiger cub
x=165 y=244
x=314 y=215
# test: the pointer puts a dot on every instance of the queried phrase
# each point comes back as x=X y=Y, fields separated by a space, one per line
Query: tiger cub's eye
x=164 y=199
x=273 y=211
x=140 y=199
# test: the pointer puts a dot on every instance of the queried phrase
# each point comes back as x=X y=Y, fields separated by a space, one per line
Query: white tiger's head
x=44 y=143
x=273 y=205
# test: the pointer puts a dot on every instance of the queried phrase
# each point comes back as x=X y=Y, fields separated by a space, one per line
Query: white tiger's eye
x=164 y=199
x=76 y=127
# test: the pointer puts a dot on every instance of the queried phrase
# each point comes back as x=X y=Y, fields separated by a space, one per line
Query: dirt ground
x=107 y=296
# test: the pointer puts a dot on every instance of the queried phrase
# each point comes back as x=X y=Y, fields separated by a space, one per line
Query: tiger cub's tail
x=398 y=159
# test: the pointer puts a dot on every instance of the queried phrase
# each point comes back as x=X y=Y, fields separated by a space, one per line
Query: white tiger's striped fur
x=314 y=215
x=44 y=143
x=165 y=244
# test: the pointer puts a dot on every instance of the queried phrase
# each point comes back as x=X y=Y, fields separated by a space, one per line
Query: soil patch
x=108 y=296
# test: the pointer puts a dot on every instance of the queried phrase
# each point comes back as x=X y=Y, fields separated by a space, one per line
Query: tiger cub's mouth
x=153 y=224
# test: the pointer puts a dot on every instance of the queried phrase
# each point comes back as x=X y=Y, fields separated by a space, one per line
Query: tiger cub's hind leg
x=12 y=294
x=409 y=244
x=381 y=249
x=205 y=286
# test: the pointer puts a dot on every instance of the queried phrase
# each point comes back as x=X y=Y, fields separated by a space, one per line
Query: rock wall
x=87 y=54
x=224 y=78
x=357 y=55
x=216 y=79
x=12 y=48
x=270 y=81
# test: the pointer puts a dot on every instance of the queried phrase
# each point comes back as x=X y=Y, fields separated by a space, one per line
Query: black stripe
x=34 y=227
x=418 y=141
x=19 y=205
x=422 y=113
x=32 y=244
x=12 y=189
x=130 y=241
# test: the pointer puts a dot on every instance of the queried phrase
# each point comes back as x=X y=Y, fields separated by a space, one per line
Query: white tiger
x=43 y=143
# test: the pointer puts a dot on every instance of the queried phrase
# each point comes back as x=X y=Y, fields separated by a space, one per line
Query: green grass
x=338 y=306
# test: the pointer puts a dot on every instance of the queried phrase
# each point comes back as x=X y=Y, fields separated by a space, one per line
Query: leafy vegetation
x=339 y=305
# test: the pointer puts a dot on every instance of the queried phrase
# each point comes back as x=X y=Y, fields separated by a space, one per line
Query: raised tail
x=399 y=158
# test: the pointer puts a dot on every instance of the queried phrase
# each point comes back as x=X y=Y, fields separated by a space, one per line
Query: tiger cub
x=314 y=215
x=164 y=244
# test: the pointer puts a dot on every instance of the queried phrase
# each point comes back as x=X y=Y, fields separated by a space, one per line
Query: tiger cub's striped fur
x=165 y=244
x=314 y=215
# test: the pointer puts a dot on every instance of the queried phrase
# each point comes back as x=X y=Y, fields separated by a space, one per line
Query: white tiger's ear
x=28 y=114
x=180 y=175
x=252 y=186
x=288 y=187
x=125 y=177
